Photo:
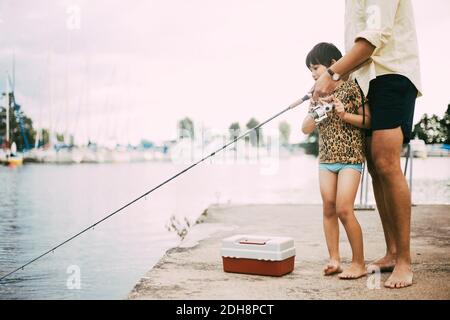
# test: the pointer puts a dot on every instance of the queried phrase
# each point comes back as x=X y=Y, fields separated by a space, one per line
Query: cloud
x=215 y=61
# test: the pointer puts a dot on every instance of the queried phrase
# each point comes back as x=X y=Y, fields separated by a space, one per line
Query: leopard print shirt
x=338 y=140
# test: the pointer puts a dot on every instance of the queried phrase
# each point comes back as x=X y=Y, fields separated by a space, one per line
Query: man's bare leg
x=386 y=148
x=387 y=262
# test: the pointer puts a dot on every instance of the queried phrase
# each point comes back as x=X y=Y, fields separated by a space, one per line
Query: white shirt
x=389 y=26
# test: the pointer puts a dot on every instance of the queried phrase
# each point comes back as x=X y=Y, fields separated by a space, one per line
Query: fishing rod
x=291 y=106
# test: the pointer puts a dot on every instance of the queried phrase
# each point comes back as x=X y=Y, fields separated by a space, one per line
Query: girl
x=341 y=155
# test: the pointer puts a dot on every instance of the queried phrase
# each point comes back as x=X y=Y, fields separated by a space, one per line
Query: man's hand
x=324 y=86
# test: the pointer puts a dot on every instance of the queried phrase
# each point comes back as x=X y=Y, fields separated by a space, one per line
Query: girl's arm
x=367 y=116
x=353 y=119
x=308 y=125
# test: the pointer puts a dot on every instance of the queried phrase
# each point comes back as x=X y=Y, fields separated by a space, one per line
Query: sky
x=120 y=71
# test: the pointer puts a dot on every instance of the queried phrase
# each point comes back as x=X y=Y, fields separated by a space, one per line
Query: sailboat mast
x=7 y=109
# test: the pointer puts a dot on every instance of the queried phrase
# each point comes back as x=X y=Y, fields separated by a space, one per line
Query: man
x=381 y=45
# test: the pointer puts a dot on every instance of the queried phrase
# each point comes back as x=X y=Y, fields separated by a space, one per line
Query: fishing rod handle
x=300 y=101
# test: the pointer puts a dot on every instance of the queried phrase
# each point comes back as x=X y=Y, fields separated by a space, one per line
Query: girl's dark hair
x=323 y=53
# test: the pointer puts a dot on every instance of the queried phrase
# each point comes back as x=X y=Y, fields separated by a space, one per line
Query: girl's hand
x=339 y=108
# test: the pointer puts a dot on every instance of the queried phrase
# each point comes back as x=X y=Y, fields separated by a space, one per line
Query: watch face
x=336 y=77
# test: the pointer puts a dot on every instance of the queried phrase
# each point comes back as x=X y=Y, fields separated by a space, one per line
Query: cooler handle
x=254 y=241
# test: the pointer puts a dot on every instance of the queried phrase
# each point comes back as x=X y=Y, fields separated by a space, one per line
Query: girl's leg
x=328 y=184
x=347 y=186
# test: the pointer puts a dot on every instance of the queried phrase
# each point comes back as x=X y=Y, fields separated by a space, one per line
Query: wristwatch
x=335 y=76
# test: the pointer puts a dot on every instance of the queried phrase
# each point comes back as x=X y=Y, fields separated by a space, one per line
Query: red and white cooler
x=262 y=255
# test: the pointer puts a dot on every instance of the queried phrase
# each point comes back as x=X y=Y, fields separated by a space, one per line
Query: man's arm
x=380 y=18
x=358 y=54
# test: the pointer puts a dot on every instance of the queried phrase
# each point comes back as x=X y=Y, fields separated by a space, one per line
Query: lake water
x=42 y=205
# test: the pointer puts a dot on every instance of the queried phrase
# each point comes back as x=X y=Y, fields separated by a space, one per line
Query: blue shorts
x=337 y=166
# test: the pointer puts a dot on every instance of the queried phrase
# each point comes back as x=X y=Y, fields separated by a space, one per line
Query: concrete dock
x=194 y=269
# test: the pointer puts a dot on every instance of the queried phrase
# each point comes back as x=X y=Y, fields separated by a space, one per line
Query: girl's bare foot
x=384 y=264
x=332 y=267
x=355 y=271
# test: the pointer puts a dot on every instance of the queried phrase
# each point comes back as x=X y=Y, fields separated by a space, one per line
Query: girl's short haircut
x=323 y=53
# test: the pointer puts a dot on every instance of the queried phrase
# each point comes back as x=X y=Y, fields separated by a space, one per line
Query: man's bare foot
x=355 y=271
x=332 y=267
x=401 y=277
x=384 y=264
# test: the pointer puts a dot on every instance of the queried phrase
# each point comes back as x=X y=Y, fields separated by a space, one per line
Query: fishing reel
x=319 y=112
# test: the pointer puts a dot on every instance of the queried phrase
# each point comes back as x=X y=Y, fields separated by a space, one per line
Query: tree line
x=186 y=129
x=431 y=129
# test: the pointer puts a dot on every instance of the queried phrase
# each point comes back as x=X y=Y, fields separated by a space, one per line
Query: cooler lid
x=258 y=247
